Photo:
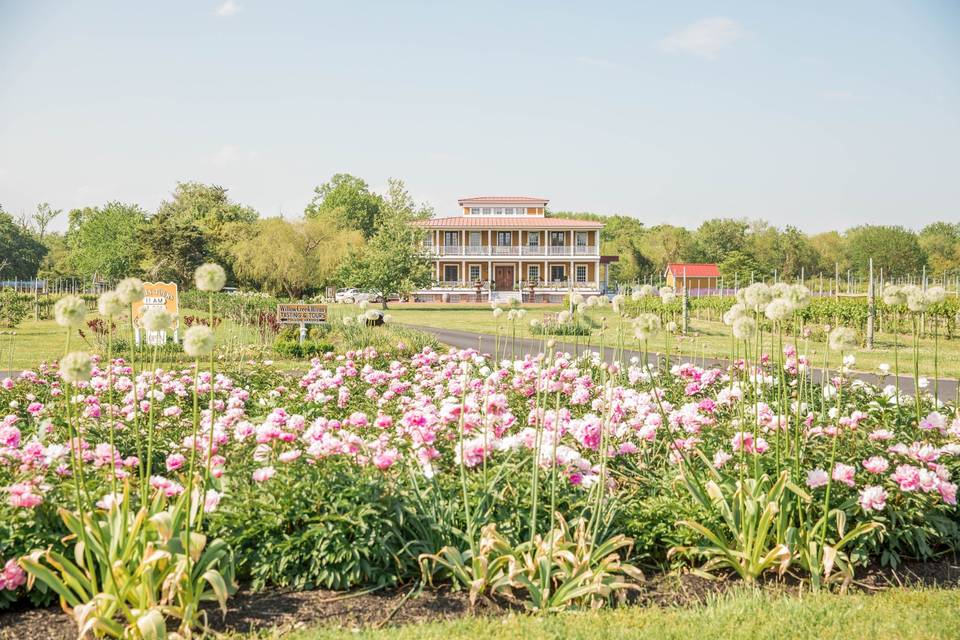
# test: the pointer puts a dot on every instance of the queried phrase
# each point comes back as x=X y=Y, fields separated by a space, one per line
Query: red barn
x=692 y=275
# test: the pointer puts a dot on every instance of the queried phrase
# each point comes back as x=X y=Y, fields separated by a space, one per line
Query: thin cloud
x=231 y=154
x=704 y=38
x=228 y=9
x=838 y=95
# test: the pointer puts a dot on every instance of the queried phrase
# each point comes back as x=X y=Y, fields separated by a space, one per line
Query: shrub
x=13 y=308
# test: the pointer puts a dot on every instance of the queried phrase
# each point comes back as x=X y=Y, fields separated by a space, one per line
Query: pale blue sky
x=818 y=114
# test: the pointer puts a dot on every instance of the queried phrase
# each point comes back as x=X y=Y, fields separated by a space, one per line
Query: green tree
x=831 y=248
x=20 y=252
x=348 y=200
x=42 y=217
x=621 y=236
x=57 y=263
x=941 y=242
x=894 y=249
x=292 y=257
x=392 y=262
x=797 y=255
x=716 y=238
x=106 y=241
x=399 y=202
x=740 y=267
x=665 y=243
x=175 y=246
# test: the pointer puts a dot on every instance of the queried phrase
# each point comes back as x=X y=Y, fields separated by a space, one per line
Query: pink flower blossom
x=263 y=474
x=844 y=473
x=876 y=464
x=817 y=478
x=873 y=498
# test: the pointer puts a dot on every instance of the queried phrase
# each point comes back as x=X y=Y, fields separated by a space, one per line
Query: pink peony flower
x=175 y=461
x=873 y=498
x=876 y=464
x=817 y=478
x=263 y=474
x=844 y=473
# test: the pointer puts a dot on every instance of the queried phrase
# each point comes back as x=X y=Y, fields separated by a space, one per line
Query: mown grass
x=898 y=613
x=705 y=339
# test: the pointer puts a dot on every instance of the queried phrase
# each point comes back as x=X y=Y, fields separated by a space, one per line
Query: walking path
x=485 y=342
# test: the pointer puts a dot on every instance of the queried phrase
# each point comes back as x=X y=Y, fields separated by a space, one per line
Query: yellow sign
x=158 y=295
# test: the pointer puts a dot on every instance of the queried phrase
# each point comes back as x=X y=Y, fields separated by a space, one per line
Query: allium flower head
x=131 y=290
x=198 y=341
x=157 y=319
x=842 y=339
x=893 y=295
x=70 y=311
x=646 y=324
x=210 y=277
x=734 y=312
x=799 y=296
x=757 y=295
x=76 y=367
x=935 y=295
x=667 y=295
x=916 y=298
x=497 y=312
x=779 y=309
x=110 y=304
x=780 y=290
x=744 y=328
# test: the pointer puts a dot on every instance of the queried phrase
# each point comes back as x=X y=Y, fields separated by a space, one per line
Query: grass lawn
x=898 y=613
x=705 y=338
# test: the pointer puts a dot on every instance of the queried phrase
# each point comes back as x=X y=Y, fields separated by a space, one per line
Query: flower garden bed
x=539 y=484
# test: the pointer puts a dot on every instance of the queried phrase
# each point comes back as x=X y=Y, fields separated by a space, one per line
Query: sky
x=821 y=115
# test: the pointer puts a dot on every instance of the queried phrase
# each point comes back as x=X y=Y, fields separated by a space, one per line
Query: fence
x=57 y=286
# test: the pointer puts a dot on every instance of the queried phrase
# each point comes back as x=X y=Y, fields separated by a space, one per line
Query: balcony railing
x=510 y=250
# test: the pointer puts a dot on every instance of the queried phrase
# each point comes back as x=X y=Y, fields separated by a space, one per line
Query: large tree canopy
x=349 y=201
x=895 y=249
x=106 y=241
x=20 y=252
x=292 y=257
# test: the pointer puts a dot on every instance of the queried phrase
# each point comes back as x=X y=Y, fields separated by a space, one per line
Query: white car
x=351 y=296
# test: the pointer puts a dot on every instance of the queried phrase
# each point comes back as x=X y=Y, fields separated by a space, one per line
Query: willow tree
x=292 y=257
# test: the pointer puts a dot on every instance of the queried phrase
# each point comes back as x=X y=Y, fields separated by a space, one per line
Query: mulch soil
x=281 y=611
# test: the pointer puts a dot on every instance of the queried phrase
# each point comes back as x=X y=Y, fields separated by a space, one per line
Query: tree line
x=351 y=235
x=754 y=249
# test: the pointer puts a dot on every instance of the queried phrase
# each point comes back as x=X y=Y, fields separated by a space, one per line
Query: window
x=451 y=238
x=474 y=211
x=581 y=273
x=581 y=240
x=451 y=273
x=476 y=238
x=533 y=239
x=486 y=211
x=474 y=272
x=558 y=238
x=533 y=273
x=557 y=273
x=504 y=238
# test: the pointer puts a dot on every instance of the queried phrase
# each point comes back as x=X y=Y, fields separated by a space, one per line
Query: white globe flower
x=667 y=296
x=76 y=367
x=893 y=295
x=372 y=314
x=387 y=318
x=131 y=290
x=210 y=277
x=157 y=319
x=916 y=298
x=647 y=323
x=842 y=339
x=497 y=312
x=563 y=317
x=780 y=290
x=935 y=295
x=110 y=304
x=70 y=311
x=799 y=296
x=757 y=296
x=198 y=341
x=347 y=321
x=744 y=328
x=576 y=299
x=779 y=309
x=734 y=312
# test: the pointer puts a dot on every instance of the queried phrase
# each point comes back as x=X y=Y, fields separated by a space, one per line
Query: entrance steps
x=506 y=297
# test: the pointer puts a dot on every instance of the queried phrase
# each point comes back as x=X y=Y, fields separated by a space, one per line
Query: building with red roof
x=505 y=247
x=692 y=275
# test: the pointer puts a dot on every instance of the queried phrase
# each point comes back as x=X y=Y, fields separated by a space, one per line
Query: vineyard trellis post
x=871 y=308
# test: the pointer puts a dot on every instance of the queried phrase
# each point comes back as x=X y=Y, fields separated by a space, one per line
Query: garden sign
x=302 y=314
x=158 y=295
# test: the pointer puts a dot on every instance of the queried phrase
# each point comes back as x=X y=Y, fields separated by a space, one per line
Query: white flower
x=923 y=383
x=198 y=341
x=387 y=318
x=210 y=277
x=647 y=323
x=744 y=328
x=757 y=295
x=109 y=501
x=582 y=308
x=842 y=339
x=76 y=367
x=893 y=295
x=497 y=312
x=780 y=290
x=849 y=360
x=131 y=290
x=916 y=299
x=534 y=323
x=157 y=319
x=799 y=296
x=110 y=304
x=576 y=299
x=884 y=369
x=935 y=295
x=779 y=309
x=563 y=317
x=372 y=314
x=70 y=311
x=734 y=312
x=363 y=305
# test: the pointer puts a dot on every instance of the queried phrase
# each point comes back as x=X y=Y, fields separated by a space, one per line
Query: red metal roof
x=693 y=270
x=507 y=222
x=502 y=200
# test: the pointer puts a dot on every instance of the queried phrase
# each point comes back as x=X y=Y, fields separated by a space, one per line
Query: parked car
x=352 y=296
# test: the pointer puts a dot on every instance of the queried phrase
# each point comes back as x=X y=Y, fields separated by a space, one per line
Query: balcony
x=452 y=250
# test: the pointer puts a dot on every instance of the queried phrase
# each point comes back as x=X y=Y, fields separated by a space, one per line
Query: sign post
x=302 y=314
x=159 y=295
